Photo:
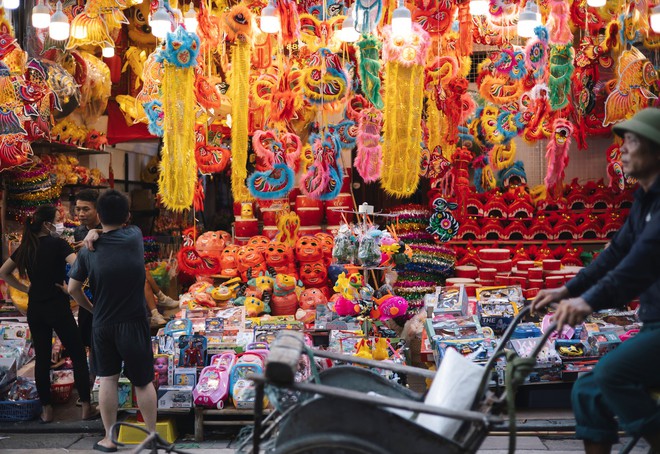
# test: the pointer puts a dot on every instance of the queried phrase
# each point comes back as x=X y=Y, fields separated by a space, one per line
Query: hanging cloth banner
x=178 y=172
x=404 y=94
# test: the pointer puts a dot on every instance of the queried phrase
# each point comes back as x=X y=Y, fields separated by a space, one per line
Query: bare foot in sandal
x=47 y=414
x=89 y=412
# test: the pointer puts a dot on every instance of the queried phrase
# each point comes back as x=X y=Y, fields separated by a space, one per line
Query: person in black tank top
x=42 y=256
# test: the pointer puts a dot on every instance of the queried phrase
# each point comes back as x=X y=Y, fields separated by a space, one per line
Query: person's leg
x=594 y=421
x=85 y=320
x=107 y=364
x=161 y=298
x=625 y=376
x=108 y=404
x=135 y=348
x=65 y=327
x=148 y=403
x=42 y=341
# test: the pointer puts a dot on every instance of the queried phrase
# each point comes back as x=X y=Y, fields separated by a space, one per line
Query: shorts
x=127 y=342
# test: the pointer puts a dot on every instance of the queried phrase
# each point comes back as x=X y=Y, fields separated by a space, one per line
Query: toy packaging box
x=175 y=397
x=603 y=342
x=8 y=371
x=498 y=306
x=164 y=367
x=448 y=300
x=185 y=376
x=15 y=330
x=125 y=393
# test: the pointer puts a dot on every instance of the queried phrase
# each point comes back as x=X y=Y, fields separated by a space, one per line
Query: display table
x=234 y=416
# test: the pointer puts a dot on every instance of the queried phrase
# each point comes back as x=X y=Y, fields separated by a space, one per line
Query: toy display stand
x=224 y=417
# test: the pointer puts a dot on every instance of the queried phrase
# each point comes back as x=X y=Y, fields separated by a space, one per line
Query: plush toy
x=285 y=299
x=349 y=286
x=379 y=351
x=344 y=307
x=363 y=350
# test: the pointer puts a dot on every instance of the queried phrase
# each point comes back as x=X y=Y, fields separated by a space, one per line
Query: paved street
x=27 y=443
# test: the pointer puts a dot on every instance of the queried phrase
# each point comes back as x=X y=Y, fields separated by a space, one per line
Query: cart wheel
x=329 y=444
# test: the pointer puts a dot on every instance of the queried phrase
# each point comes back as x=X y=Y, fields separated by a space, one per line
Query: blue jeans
x=618 y=386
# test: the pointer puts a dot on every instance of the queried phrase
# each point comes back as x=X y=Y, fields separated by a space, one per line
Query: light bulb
x=136 y=2
x=40 y=15
x=596 y=3
x=479 y=7
x=348 y=33
x=655 y=19
x=59 y=24
x=11 y=4
x=160 y=22
x=270 y=22
x=529 y=19
x=401 y=20
x=108 y=50
x=190 y=19
x=78 y=31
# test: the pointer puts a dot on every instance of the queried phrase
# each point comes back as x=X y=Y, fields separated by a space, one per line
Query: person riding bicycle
x=630 y=267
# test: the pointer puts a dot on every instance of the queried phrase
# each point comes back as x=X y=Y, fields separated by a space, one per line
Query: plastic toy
x=213 y=387
x=161 y=368
x=241 y=387
x=250 y=257
x=380 y=349
x=178 y=327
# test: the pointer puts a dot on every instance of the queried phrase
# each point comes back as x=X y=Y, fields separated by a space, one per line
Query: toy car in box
x=175 y=397
x=498 y=306
x=603 y=342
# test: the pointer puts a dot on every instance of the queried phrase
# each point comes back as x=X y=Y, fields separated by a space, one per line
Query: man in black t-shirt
x=89 y=220
x=116 y=273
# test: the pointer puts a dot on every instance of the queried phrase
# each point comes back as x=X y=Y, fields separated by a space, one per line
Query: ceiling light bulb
x=270 y=22
x=11 y=4
x=596 y=3
x=108 y=50
x=401 y=20
x=40 y=15
x=655 y=19
x=190 y=19
x=479 y=7
x=58 y=29
x=160 y=22
x=529 y=19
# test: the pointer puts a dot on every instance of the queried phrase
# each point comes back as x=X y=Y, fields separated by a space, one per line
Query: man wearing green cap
x=629 y=268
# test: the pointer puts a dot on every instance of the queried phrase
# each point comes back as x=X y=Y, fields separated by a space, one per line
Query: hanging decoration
x=237 y=24
x=636 y=76
x=325 y=83
x=557 y=154
x=404 y=59
x=442 y=223
x=278 y=158
x=369 y=69
x=210 y=158
x=323 y=178
x=178 y=172
x=369 y=154
x=561 y=70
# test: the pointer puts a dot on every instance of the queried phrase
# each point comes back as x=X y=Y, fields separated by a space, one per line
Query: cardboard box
x=125 y=393
x=185 y=376
x=603 y=342
x=175 y=397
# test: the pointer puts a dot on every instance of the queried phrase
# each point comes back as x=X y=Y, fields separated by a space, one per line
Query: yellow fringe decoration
x=178 y=169
x=240 y=89
x=404 y=92
x=97 y=31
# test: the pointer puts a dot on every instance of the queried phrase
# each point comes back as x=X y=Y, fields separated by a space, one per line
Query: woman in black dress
x=42 y=257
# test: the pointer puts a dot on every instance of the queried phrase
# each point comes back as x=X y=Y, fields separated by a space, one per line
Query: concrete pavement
x=82 y=444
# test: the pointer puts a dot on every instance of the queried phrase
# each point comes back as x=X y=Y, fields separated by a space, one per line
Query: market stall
x=389 y=178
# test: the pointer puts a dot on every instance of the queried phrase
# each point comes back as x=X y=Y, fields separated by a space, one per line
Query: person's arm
x=78 y=295
x=606 y=261
x=91 y=237
x=636 y=272
x=6 y=274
